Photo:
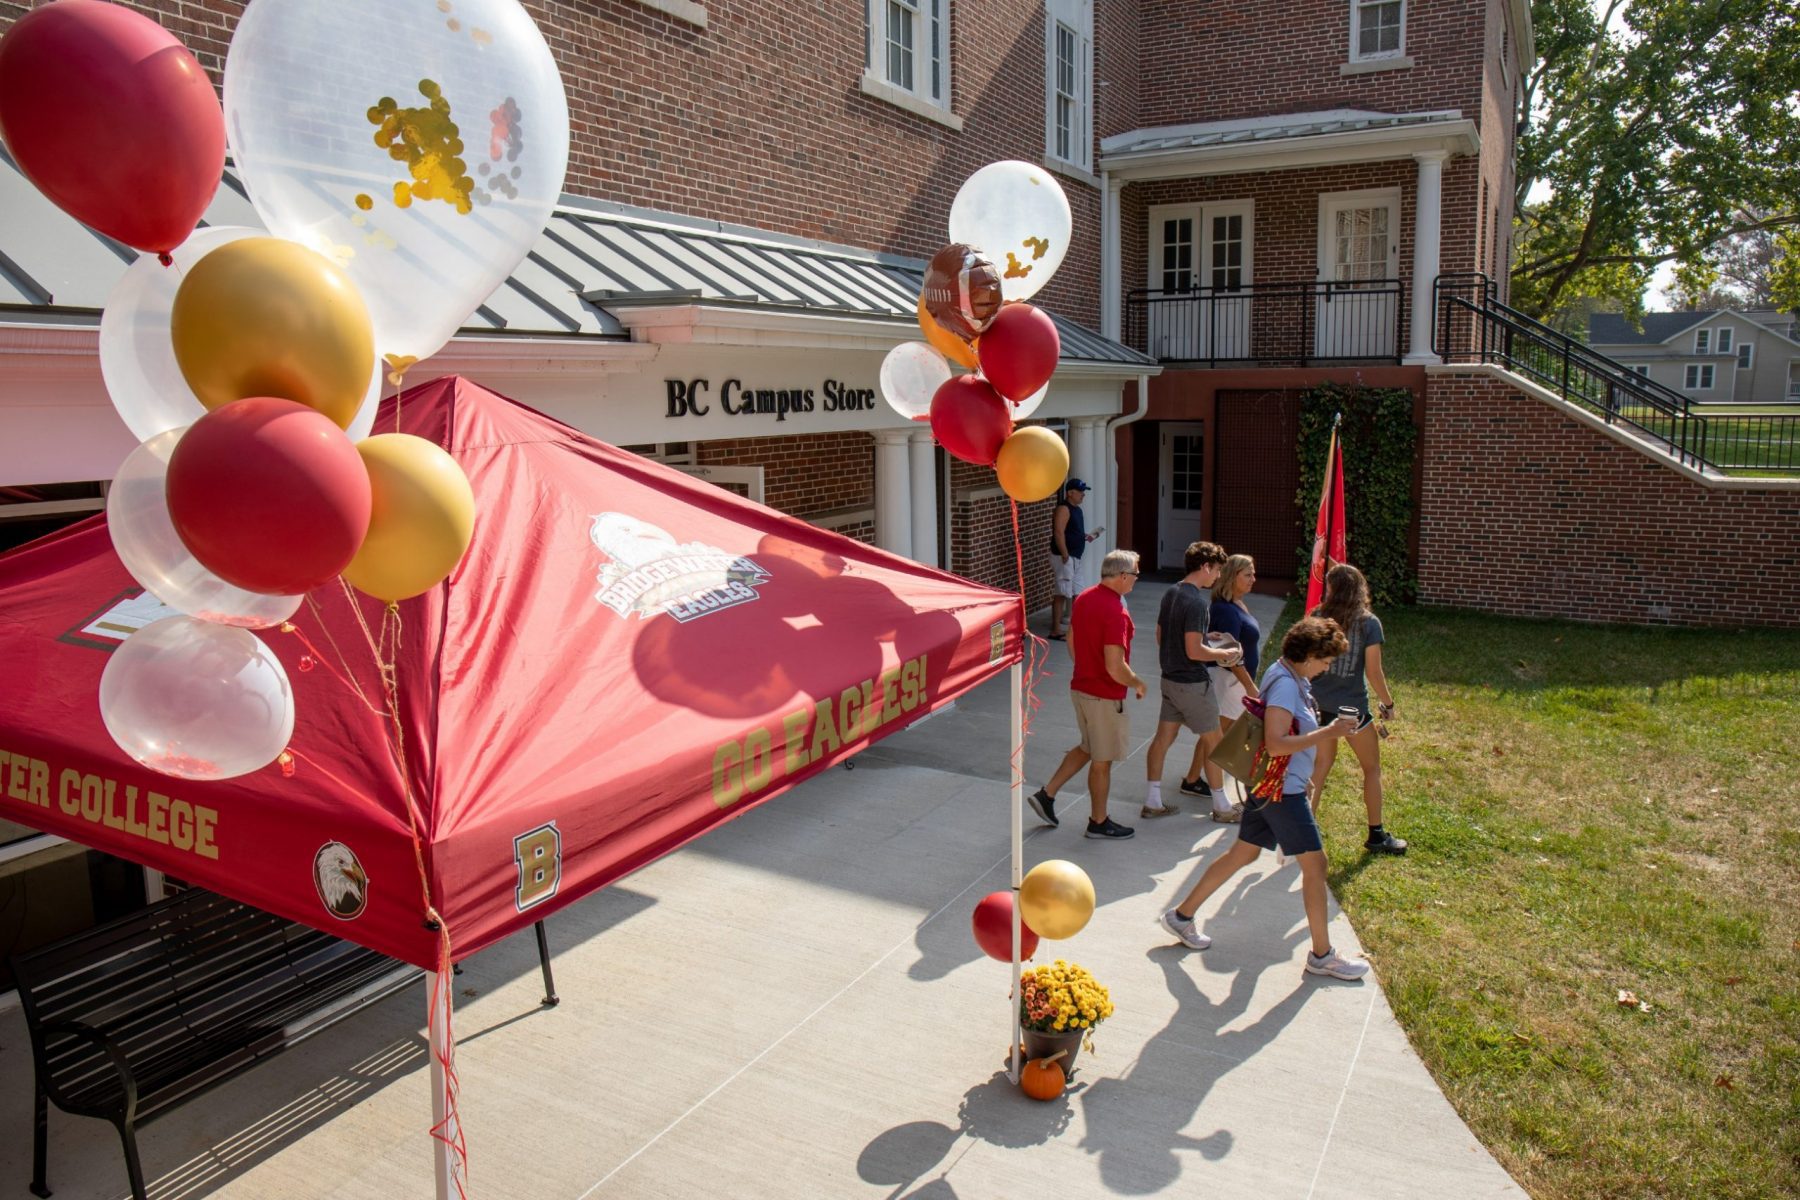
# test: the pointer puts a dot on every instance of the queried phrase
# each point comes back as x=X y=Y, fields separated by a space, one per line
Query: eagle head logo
x=342 y=883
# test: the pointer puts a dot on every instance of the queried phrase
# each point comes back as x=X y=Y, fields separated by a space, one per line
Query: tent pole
x=1018 y=852
x=437 y=1027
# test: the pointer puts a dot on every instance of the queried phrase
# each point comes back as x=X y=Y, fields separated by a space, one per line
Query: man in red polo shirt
x=1100 y=632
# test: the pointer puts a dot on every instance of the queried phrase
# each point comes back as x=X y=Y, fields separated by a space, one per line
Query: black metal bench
x=132 y=1018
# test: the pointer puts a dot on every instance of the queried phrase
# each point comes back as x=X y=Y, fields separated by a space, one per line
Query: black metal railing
x=1270 y=323
x=1471 y=324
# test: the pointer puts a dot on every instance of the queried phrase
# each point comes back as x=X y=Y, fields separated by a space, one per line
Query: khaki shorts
x=1105 y=729
x=1190 y=704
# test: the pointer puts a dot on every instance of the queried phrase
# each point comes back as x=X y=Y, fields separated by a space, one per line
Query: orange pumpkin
x=1042 y=1078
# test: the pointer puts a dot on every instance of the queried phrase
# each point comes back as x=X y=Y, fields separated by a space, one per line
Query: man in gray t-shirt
x=1187 y=694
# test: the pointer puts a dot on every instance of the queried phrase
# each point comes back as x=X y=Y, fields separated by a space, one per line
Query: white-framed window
x=1724 y=340
x=1643 y=369
x=1699 y=378
x=1068 y=82
x=1746 y=355
x=675 y=454
x=1377 y=29
x=1172 y=252
x=908 y=48
x=1703 y=341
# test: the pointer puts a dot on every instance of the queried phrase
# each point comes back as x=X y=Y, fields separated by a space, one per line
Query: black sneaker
x=1110 y=829
x=1196 y=787
x=1044 y=805
x=1385 y=843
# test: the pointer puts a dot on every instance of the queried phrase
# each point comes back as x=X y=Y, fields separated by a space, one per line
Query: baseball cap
x=1078 y=485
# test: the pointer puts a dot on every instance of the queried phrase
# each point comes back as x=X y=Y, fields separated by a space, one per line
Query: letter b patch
x=539 y=855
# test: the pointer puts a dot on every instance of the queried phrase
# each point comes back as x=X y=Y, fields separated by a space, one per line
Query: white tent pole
x=1018 y=851
x=437 y=1028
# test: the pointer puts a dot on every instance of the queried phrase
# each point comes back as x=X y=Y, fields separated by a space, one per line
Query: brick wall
x=1526 y=511
x=981 y=534
x=1214 y=62
x=808 y=476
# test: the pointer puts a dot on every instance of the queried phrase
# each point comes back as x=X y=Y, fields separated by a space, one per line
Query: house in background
x=1720 y=356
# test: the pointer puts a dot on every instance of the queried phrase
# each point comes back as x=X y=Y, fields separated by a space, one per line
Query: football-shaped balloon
x=970 y=420
x=962 y=290
x=269 y=495
x=1019 y=350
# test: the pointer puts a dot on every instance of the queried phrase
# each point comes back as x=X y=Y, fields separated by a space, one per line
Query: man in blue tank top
x=1068 y=538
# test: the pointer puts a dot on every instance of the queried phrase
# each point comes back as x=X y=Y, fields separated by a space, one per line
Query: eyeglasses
x=1133 y=574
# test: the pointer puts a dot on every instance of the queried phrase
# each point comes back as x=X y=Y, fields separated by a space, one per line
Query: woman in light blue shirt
x=1284 y=821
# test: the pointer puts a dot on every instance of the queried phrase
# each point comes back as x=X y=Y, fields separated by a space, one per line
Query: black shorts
x=1286 y=823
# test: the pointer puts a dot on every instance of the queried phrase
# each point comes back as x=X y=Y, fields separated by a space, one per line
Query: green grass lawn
x=1738 y=440
x=1594 y=810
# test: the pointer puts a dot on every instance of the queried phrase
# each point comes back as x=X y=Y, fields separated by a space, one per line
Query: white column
x=1085 y=464
x=1112 y=263
x=893 y=491
x=1428 y=234
x=924 y=496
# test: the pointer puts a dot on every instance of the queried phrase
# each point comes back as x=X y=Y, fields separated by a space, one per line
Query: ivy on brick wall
x=1380 y=442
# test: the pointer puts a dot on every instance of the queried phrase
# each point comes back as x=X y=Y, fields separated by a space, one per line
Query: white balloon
x=911 y=374
x=420 y=146
x=196 y=700
x=1029 y=404
x=137 y=517
x=1017 y=215
x=137 y=358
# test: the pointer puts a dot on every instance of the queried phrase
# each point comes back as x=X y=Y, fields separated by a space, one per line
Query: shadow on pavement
x=1140 y=1141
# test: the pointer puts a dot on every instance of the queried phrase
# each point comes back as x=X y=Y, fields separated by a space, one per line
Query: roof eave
x=1323 y=149
x=727 y=324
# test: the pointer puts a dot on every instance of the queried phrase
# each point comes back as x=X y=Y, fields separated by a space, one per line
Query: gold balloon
x=268 y=317
x=422 y=517
x=1056 y=898
x=1032 y=464
x=947 y=343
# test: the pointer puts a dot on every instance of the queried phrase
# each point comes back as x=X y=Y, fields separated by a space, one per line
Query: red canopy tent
x=626 y=658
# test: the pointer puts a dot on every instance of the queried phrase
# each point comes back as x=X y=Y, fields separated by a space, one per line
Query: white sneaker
x=1184 y=931
x=1336 y=965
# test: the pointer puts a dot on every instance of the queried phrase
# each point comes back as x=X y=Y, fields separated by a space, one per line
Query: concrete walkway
x=793 y=1007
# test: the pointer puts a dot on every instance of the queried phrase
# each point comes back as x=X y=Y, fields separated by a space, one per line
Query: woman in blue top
x=1230 y=615
x=1290 y=728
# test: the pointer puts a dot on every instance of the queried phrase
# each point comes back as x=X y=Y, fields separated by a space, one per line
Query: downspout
x=1112 y=444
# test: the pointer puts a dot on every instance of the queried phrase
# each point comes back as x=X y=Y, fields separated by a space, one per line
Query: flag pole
x=1018 y=857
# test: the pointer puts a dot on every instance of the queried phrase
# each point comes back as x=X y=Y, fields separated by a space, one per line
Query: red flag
x=1329 y=547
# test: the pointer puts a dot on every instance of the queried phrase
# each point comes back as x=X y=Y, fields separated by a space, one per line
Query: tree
x=1657 y=130
x=1744 y=271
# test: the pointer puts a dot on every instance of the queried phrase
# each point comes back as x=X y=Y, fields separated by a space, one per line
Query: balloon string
x=343 y=676
x=449 y=1131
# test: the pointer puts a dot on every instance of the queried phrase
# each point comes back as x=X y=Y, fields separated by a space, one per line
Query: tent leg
x=1018 y=853
x=551 y=999
x=437 y=1010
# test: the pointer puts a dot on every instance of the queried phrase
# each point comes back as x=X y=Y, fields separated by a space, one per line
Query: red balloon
x=1018 y=352
x=970 y=420
x=993 y=928
x=112 y=119
x=269 y=495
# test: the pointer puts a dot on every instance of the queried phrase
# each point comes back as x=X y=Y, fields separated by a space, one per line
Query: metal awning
x=1339 y=135
x=590 y=259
